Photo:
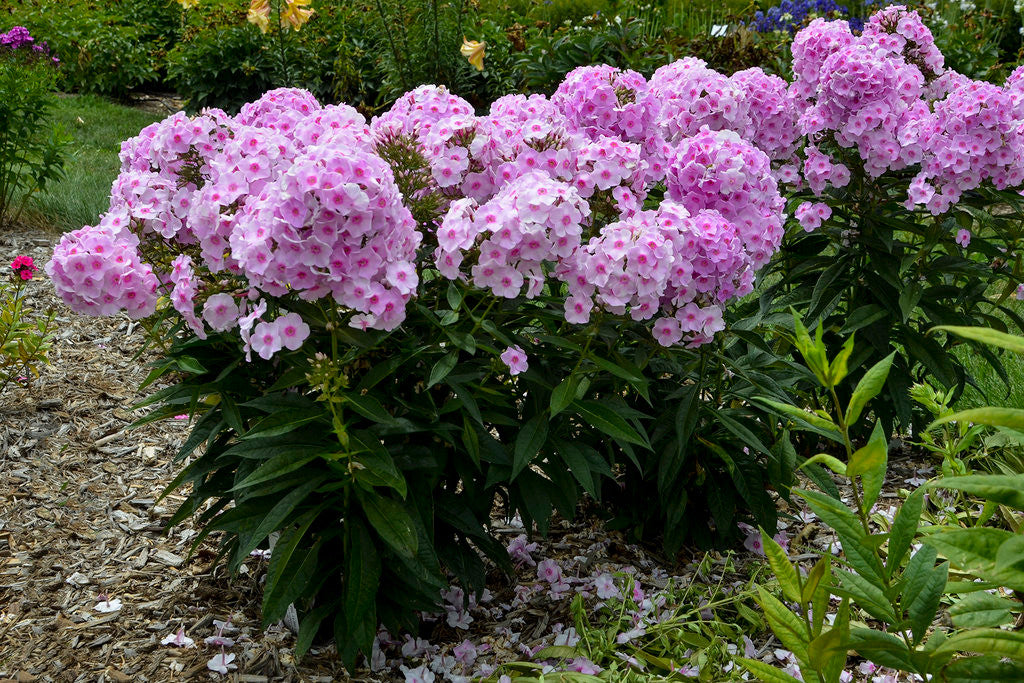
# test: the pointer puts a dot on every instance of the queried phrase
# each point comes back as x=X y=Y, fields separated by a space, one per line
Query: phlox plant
x=384 y=329
x=30 y=148
x=909 y=200
x=23 y=342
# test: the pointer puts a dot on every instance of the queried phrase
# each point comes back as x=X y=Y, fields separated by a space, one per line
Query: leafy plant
x=23 y=343
x=898 y=588
x=30 y=147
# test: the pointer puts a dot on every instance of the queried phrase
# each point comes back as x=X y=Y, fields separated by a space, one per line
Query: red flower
x=24 y=267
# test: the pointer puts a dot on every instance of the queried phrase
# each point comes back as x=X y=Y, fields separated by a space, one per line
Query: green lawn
x=994 y=388
x=96 y=127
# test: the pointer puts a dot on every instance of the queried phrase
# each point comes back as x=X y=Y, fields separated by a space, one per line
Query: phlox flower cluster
x=416 y=112
x=661 y=263
x=694 y=96
x=885 y=96
x=287 y=196
x=97 y=270
x=532 y=220
x=604 y=100
x=974 y=135
x=718 y=170
x=19 y=38
x=332 y=224
x=23 y=267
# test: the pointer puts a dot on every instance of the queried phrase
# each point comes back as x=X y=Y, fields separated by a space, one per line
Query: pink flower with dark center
x=515 y=358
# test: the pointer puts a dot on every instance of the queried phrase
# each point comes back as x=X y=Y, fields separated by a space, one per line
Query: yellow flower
x=296 y=14
x=474 y=52
x=188 y=4
x=259 y=14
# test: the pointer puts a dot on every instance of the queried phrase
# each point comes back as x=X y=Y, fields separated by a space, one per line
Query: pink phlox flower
x=604 y=586
x=584 y=666
x=631 y=634
x=222 y=663
x=465 y=653
x=548 y=570
x=178 y=639
x=515 y=358
x=219 y=641
x=107 y=604
x=421 y=674
x=519 y=550
x=963 y=237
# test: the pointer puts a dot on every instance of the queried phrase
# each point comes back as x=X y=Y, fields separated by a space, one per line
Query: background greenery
x=367 y=52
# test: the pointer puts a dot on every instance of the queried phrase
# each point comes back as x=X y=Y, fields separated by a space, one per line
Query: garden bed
x=79 y=520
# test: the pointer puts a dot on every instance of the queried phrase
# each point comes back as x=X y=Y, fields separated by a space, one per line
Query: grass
x=96 y=127
x=994 y=391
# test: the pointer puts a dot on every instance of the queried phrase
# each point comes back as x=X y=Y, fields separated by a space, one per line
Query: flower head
x=515 y=358
x=23 y=267
x=473 y=51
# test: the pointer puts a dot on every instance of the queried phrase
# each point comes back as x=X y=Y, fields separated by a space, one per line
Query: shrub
x=109 y=48
x=30 y=151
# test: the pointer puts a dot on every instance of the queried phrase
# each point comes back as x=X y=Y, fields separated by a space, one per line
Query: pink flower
x=23 y=267
x=515 y=358
x=548 y=570
x=583 y=666
x=222 y=663
x=293 y=330
x=178 y=639
x=604 y=586
x=963 y=237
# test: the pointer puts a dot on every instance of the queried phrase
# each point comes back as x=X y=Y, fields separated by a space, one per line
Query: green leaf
x=869 y=386
x=577 y=462
x=369 y=407
x=922 y=590
x=785 y=572
x=1004 y=489
x=1010 y=418
x=826 y=649
x=981 y=609
x=974 y=551
x=817 y=591
x=829 y=461
x=290 y=569
x=987 y=642
x=442 y=368
x=839 y=369
x=377 y=466
x=985 y=335
x=982 y=669
x=904 y=528
x=362 y=578
x=391 y=522
x=608 y=421
x=276 y=424
x=309 y=626
x=276 y=467
x=529 y=441
x=786 y=626
x=808 y=421
x=869 y=462
x=767 y=672
x=866 y=594
x=563 y=394
x=277 y=514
